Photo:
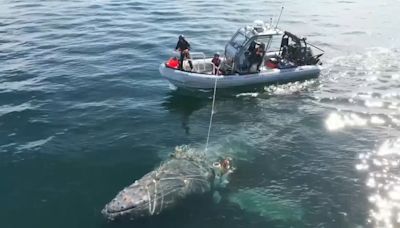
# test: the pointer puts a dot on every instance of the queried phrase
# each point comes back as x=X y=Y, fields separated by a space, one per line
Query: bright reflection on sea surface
x=368 y=98
x=369 y=92
x=337 y=121
x=383 y=179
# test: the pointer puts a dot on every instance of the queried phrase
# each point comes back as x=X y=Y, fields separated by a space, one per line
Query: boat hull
x=196 y=81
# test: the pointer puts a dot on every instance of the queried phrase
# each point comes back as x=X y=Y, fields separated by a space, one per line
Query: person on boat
x=252 y=46
x=256 y=56
x=260 y=53
x=216 y=61
x=250 y=55
x=183 y=47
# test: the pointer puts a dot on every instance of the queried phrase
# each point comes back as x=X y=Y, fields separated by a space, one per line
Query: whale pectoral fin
x=217 y=197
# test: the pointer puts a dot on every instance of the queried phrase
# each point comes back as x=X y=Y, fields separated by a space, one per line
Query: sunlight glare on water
x=383 y=180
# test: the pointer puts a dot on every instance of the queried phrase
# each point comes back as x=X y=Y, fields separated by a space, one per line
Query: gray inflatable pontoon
x=194 y=80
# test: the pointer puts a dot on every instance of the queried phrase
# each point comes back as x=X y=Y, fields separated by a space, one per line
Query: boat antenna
x=279 y=18
x=212 y=114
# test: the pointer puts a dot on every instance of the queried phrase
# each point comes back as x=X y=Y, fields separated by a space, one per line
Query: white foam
x=33 y=144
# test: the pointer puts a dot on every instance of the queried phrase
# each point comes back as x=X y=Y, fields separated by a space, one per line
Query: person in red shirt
x=217 y=62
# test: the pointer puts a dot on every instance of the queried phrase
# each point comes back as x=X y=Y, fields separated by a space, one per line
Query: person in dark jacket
x=260 y=53
x=183 y=47
x=256 y=56
x=251 y=55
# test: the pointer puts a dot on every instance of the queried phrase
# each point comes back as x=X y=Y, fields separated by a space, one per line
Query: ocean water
x=84 y=112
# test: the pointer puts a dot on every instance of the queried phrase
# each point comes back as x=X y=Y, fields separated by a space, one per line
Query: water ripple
x=80 y=90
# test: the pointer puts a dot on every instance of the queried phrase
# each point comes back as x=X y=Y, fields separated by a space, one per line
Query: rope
x=212 y=114
x=152 y=206
x=162 y=201
x=148 y=196
x=155 y=198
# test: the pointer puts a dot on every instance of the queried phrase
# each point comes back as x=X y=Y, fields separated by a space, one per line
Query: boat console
x=293 y=51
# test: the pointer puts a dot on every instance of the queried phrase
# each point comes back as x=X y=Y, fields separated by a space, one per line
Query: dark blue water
x=84 y=112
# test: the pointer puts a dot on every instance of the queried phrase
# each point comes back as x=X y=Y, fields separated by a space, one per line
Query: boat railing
x=193 y=56
x=199 y=55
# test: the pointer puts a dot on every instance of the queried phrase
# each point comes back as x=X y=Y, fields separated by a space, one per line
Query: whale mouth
x=112 y=213
x=119 y=210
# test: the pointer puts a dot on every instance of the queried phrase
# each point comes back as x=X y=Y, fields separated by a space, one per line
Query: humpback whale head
x=176 y=179
x=133 y=202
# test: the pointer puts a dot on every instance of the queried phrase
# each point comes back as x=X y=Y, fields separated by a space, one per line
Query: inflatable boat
x=280 y=57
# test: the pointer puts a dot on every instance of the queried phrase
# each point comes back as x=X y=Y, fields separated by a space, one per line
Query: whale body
x=181 y=176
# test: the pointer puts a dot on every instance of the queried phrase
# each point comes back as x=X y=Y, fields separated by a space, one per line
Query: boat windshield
x=265 y=40
x=274 y=44
x=238 y=40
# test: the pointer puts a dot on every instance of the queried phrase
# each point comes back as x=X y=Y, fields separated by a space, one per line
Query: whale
x=183 y=175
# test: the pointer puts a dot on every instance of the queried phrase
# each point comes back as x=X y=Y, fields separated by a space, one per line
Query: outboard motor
x=298 y=51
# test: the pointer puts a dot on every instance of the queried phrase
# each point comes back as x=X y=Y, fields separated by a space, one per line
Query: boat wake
x=362 y=90
x=291 y=88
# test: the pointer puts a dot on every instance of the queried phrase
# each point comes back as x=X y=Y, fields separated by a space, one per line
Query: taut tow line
x=212 y=114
